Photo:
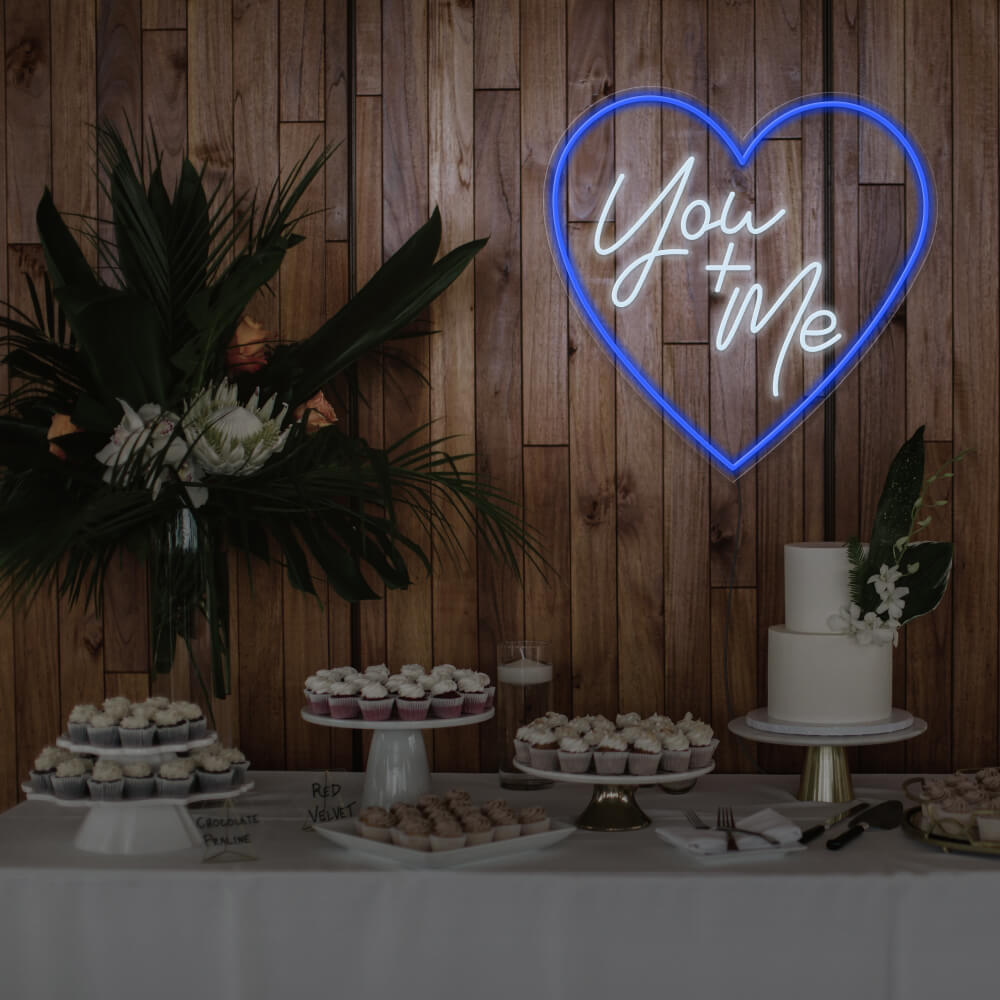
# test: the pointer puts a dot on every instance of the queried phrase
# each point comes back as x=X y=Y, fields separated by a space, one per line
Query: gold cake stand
x=612 y=807
x=826 y=776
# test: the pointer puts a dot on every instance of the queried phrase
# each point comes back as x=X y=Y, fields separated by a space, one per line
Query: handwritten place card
x=227 y=837
x=328 y=803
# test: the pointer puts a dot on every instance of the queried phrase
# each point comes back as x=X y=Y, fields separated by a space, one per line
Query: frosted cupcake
x=489 y=687
x=340 y=674
x=45 y=767
x=239 y=764
x=343 y=700
x=394 y=682
x=543 y=748
x=676 y=756
x=376 y=823
x=154 y=704
x=413 y=832
x=533 y=819
x=171 y=726
x=136 y=731
x=522 y=748
x=78 y=720
x=377 y=672
x=644 y=757
x=444 y=670
x=317 y=692
x=102 y=730
x=215 y=773
x=411 y=671
x=175 y=779
x=70 y=779
x=611 y=754
x=478 y=829
x=446 y=699
x=375 y=702
x=473 y=695
x=412 y=702
x=106 y=782
x=703 y=743
x=506 y=825
x=139 y=780
x=447 y=835
x=574 y=755
x=195 y=717
x=622 y=720
x=117 y=708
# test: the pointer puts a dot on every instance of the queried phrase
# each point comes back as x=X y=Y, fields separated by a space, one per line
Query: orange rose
x=249 y=349
x=320 y=413
x=60 y=426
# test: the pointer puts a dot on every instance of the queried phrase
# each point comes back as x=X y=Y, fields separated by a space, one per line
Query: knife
x=820 y=828
x=884 y=816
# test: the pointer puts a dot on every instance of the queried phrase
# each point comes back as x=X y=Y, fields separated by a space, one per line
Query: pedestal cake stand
x=612 y=807
x=825 y=774
x=397 y=762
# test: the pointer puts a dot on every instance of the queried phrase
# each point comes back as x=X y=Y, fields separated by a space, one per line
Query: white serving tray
x=150 y=801
x=139 y=753
x=343 y=832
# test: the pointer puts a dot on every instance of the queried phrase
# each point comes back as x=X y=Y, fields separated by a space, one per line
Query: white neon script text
x=696 y=222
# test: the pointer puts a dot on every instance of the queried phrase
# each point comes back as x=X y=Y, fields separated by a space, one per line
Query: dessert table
x=597 y=915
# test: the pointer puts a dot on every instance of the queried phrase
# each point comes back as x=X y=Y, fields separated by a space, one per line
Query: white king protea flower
x=233 y=439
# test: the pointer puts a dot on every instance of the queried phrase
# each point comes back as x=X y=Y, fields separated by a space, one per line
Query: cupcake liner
x=413 y=710
x=41 y=781
x=215 y=781
x=610 y=761
x=139 y=788
x=544 y=760
x=343 y=706
x=105 y=791
x=522 y=751
x=574 y=763
x=507 y=832
x=174 y=788
x=137 y=737
x=641 y=764
x=378 y=710
x=446 y=708
x=240 y=769
x=491 y=695
x=78 y=732
x=319 y=704
x=197 y=728
x=676 y=761
x=383 y=834
x=105 y=736
x=74 y=787
x=474 y=702
x=172 y=734
x=989 y=827
x=539 y=826
x=479 y=837
x=702 y=756
x=439 y=843
x=415 y=841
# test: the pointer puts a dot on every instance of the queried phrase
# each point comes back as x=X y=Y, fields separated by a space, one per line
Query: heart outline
x=742 y=153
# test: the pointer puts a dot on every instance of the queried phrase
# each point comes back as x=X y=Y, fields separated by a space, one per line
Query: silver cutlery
x=695 y=820
x=725 y=820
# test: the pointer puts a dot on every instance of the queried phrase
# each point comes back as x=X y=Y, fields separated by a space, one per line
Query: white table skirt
x=598 y=915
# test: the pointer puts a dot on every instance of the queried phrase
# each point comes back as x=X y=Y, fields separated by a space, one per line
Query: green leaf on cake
x=929 y=582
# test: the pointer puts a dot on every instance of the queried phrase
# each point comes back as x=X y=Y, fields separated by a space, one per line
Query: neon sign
x=687 y=221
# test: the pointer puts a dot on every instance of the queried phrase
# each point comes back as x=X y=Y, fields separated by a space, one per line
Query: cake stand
x=825 y=774
x=612 y=807
x=397 y=762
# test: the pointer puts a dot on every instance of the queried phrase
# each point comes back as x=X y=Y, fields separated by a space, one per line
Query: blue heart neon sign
x=811 y=336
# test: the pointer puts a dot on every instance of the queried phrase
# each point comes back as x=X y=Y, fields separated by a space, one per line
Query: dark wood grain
x=301 y=58
x=881 y=62
x=164 y=112
x=496 y=42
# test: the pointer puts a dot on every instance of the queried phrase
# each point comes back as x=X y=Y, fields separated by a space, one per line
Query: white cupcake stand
x=397 y=762
x=137 y=826
x=825 y=775
x=612 y=807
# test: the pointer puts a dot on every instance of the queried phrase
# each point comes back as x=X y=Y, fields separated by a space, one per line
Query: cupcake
x=377 y=672
x=106 y=782
x=447 y=835
x=644 y=757
x=676 y=755
x=543 y=748
x=117 y=708
x=156 y=703
x=446 y=699
x=611 y=755
x=195 y=718
x=171 y=726
x=429 y=801
x=340 y=674
x=376 y=823
x=478 y=829
x=622 y=720
x=215 y=773
x=412 y=702
x=703 y=744
x=136 y=731
x=413 y=832
x=70 y=779
x=375 y=702
x=522 y=748
x=78 y=720
x=102 y=730
x=446 y=670
x=473 y=694
x=533 y=819
x=411 y=671
x=139 y=780
x=175 y=779
x=343 y=700
x=45 y=767
x=394 y=682
x=239 y=763
x=427 y=681
x=506 y=825
x=317 y=692
x=574 y=755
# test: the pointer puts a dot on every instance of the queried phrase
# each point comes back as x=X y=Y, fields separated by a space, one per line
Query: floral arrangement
x=153 y=413
x=896 y=579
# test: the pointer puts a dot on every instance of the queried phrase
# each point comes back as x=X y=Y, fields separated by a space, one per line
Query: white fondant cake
x=815 y=675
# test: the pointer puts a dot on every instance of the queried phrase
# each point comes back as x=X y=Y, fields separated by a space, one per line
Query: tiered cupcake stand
x=397 y=762
x=826 y=776
x=137 y=826
x=612 y=806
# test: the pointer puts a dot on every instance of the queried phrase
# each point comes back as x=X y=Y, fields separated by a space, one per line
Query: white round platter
x=590 y=778
x=157 y=750
x=151 y=801
x=898 y=720
x=741 y=728
x=397 y=768
x=396 y=725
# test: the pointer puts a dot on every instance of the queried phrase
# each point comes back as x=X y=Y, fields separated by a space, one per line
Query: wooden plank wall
x=458 y=103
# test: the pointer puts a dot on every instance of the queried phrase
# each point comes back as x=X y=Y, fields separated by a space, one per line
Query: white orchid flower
x=885 y=580
x=893 y=602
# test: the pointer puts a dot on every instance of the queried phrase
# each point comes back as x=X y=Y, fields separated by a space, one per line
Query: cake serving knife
x=820 y=828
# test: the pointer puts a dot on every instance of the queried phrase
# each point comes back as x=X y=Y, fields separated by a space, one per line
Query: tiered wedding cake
x=815 y=675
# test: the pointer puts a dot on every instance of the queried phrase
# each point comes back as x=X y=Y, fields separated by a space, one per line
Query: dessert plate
x=344 y=833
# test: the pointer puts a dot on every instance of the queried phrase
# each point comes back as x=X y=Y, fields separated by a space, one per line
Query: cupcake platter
x=149 y=754
x=397 y=761
x=612 y=806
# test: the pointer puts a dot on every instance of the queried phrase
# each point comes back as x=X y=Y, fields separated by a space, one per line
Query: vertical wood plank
x=881 y=63
x=498 y=359
x=134 y=686
x=778 y=58
x=496 y=44
x=164 y=111
x=210 y=90
x=301 y=60
x=368 y=47
x=740 y=668
x=164 y=14
x=10 y=778
x=977 y=314
x=338 y=98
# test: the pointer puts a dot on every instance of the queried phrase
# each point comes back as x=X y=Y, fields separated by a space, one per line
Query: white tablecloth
x=599 y=915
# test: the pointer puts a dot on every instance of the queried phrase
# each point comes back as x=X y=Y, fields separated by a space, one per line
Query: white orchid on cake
x=895 y=579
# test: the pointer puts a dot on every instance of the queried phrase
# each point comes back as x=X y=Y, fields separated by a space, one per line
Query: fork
x=724 y=820
x=695 y=820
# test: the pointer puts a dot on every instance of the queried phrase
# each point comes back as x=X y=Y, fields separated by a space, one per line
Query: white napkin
x=714 y=841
